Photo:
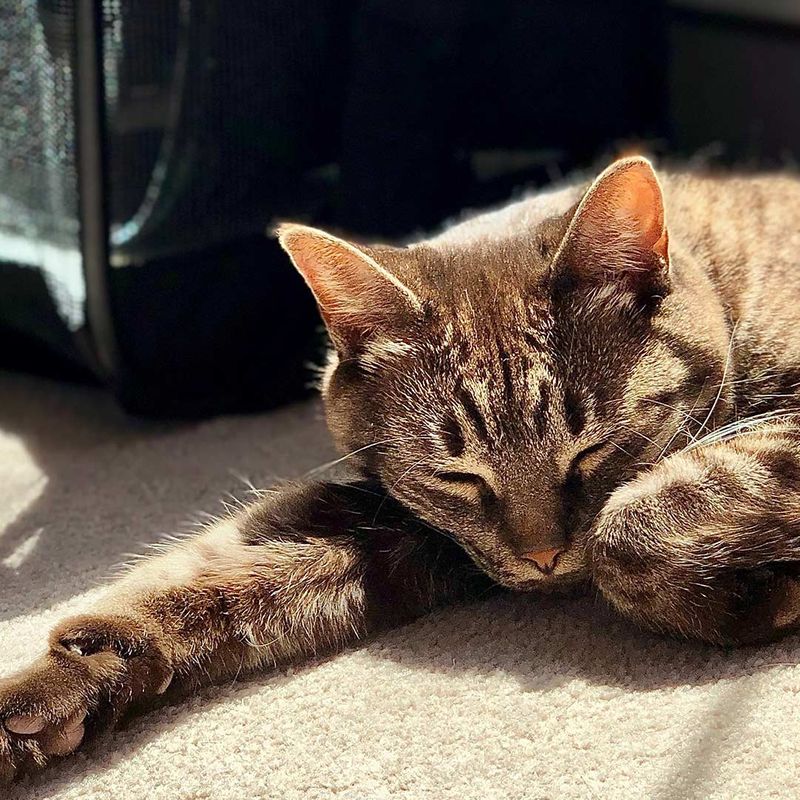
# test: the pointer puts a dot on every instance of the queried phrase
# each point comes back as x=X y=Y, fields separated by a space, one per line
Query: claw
x=25 y=725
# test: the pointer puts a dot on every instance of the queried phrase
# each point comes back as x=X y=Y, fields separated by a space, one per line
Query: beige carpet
x=519 y=697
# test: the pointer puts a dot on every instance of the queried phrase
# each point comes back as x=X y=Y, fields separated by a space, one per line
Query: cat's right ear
x=357 y=297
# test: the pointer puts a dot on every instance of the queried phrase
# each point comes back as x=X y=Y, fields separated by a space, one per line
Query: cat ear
x=618 y=232
x=357 y=297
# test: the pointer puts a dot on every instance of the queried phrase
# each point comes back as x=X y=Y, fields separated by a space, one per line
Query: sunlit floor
x=517 y=697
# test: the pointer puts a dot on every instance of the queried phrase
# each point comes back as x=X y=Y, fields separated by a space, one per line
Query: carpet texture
x=519 y=697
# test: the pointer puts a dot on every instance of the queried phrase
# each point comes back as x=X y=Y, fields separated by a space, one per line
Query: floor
x=519 y=697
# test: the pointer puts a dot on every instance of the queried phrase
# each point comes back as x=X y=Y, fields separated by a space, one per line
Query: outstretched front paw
x=95 y=668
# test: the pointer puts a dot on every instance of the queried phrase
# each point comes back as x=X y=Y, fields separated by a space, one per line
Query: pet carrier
x=145 y=147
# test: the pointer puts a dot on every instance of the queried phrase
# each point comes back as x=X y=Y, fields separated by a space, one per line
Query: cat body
x=594 y=384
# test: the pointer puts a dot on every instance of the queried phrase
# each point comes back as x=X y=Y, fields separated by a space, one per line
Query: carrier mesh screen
x=38 y=182
x=210 y=128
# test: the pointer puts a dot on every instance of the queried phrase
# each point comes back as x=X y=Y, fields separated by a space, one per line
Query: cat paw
x=95 y=668
x=690 y=548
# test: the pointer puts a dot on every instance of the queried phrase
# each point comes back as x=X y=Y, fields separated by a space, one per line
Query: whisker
x=740 y=425
x=683 y=429
x=394 y=486
x=722 y=382
x=330 y=464
x=672 y=408
x=641 y=435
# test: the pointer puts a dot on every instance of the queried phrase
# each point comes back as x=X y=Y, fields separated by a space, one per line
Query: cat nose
x=545 y=560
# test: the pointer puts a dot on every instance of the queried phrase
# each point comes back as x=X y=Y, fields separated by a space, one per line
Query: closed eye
x=467 y=480
x=588 y=459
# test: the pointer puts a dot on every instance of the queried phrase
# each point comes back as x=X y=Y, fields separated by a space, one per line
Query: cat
x=597 y=384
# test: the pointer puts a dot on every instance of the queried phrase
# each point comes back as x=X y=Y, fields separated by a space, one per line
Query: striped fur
x=610 y=371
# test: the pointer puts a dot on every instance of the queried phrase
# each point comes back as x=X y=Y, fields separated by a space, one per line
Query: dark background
x=379 y=118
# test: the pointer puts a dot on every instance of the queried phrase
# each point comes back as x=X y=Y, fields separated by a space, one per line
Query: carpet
x=517 y=697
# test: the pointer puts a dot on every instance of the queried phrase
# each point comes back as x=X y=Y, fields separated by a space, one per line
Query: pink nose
x=545 y=560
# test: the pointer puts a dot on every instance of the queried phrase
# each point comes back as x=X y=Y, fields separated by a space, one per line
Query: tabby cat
x=593 y=384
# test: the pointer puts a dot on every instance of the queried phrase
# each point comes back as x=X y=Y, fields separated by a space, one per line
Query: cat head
x=503 y=384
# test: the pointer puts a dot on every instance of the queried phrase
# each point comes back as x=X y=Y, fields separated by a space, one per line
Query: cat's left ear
x=618 y=233
x=357 y=297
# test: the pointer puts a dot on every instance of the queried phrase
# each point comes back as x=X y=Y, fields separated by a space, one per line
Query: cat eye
x=582 y=460
x=468 y=480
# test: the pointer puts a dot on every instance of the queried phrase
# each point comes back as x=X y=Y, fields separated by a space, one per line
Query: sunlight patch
x=23 y=550
x=23 y=480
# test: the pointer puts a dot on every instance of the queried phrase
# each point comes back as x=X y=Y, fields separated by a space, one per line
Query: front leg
x=706 y=544
x=302 y=572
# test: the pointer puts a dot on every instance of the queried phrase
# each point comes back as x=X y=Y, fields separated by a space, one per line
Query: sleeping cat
x=596 y=384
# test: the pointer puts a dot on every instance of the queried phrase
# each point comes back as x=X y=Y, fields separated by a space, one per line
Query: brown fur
x=300 y=573
x=607 y=371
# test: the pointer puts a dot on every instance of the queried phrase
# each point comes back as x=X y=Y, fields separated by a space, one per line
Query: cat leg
x=706 y=544
x=302 y=572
